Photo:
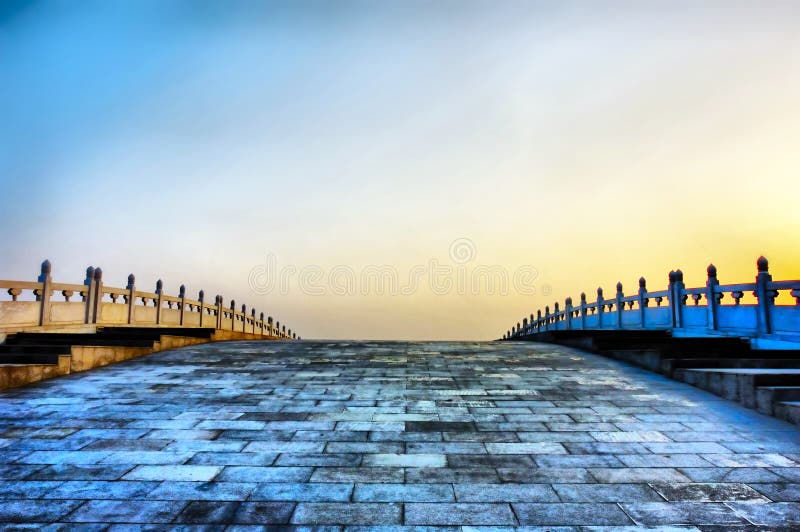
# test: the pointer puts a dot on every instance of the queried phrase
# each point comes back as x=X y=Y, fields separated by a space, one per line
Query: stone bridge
x=351 y=436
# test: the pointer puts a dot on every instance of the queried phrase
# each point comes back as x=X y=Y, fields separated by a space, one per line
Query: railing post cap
x=763 y=264
x=244 y=307
x=555 y=306
x=131 y=280
x=672 y=276
x=253 y=312
x=619 y=286
x=233 y=304
x=200 y=295
x=583 y=296
x=711 y=270
x=182 y=291
x=262 y=316
x=98 y=274
x=599 y=290
x=679 y=276
x=568 y=301
x=47 y=267
x=159 y=286
x=642 y=282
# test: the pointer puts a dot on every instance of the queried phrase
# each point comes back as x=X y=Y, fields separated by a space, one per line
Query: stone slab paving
x=388 y=436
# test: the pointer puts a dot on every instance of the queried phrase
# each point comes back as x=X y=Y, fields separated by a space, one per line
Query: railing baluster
x=45 y=292
x=643 y=302
x=765 y=299
x=130 y=298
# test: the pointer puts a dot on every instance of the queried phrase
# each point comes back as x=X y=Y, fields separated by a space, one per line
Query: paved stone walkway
x=336 y=435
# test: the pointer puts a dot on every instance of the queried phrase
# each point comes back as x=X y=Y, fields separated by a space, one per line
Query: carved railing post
x=583 y=310
x=568 y=311
x=620 y=305
x=253 y=319
x=97 y=304
x=244 y=317
x=159 y=300
x=44 y=293
x=233 y=314
x=278 y=327
x=201 y=297
x=261 y=323
x=600 y=307
x=218 y=303
x=547 y=318
x=671 y=296
x=182 y=296
x=712 y=298
x=524 y=325
x=89 y=298
x=130 y=297
x=539 y=321
x=269 y=326
x=766 y=299
x=283 y=331
x=643 y=302
x=676 y=298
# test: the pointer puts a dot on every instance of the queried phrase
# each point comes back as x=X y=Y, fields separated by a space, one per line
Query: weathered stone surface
x=383 y=436
x=341 y=513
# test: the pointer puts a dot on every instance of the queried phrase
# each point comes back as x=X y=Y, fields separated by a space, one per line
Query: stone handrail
x=94 y=304
x=679 y=310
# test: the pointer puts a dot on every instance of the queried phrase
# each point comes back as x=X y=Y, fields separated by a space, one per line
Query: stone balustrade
x=710 y=310
x=63 y=306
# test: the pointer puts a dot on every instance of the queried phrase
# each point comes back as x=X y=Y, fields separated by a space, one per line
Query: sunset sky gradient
x=593 y=141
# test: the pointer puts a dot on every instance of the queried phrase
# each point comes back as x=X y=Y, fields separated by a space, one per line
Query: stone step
x=79 y=339
x=34 y=349
x=780 y=377
x=779 y=394
x=30 y=358
x=670 y=364
x=155 y=332
x=763 y=389
x=788 y=410
x=721 y=354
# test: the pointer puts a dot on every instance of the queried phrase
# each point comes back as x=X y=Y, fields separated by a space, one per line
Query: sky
x=355 y=169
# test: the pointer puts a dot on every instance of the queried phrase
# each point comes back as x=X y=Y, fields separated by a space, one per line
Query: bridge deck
x=444 y=434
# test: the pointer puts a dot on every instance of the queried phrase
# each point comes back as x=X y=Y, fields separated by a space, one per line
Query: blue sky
x=189 y=140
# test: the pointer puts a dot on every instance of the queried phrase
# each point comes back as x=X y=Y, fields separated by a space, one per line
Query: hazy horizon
x=574 y=144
